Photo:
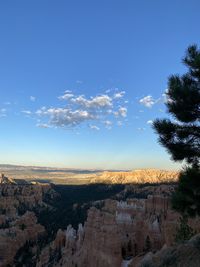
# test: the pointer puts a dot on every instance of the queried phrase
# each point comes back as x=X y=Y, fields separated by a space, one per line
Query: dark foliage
x=181 y=138
x=184 y=231
x=187 y=196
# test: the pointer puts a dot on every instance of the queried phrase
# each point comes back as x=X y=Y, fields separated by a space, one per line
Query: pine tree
x=184 y=231
x=186 y=199
x=181 y=136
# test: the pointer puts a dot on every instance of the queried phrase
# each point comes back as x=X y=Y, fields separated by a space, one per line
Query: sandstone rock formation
x=6 y=180
x=17 y=198
x=118 y=232
x=137 y=176
x=22 y=230
x=126 y=231
x=18 y=226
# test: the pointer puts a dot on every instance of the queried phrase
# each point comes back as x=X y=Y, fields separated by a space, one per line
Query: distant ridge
x=21 y=174
x=7 y=167
x=137 y=176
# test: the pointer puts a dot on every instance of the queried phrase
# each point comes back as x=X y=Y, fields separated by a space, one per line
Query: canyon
x=101 y=225
x=119 y=232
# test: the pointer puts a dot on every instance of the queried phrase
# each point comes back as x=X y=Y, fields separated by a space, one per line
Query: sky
x=82 y=81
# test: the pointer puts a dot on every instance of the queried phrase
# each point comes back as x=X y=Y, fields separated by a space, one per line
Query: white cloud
x=43 y=125
x=109 y=111
x=41 y=111
x=148 y=101
x=122 y=112
x=149 y=122
x=79 y=109
x=66 y=96
x=94 y=127
x=119 y=95
x=3 y=112
x=32 y=98
x=166 y=98
x=101 y=101
x=119 y=123
x=27 y=112
x=141 y=129
x=108 y=124
x=63 y=117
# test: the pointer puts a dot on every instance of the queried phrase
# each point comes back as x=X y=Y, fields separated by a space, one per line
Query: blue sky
x=81 y=81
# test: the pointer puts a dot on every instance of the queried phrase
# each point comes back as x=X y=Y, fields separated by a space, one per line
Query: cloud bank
x=78 y=110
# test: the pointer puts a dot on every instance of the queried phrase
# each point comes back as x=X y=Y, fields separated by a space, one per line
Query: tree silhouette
x=181 y=135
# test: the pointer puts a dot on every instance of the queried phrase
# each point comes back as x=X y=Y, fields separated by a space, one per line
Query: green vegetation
x=184 y=231
x=181 y=137
x=187 y=196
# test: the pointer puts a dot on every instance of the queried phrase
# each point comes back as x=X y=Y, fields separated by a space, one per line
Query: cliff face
x=126 y=229
x=19 y=227
x=137 y=176
x=119 y=231
x=15 y=199
x=20 y=231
